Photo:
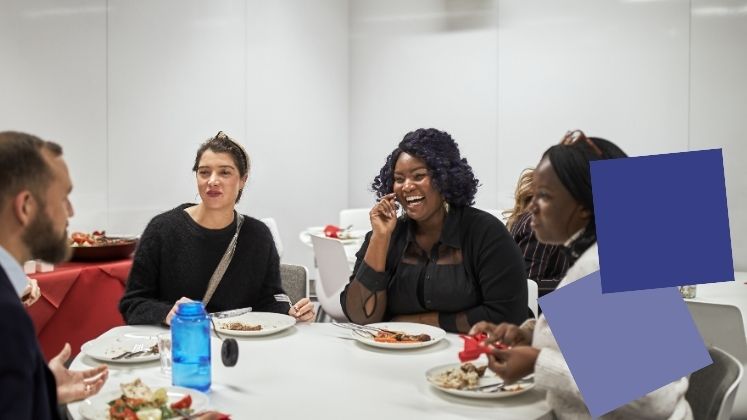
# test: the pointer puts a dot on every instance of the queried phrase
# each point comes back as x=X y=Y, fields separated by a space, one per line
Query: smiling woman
x=208 y=251
x=443 y=262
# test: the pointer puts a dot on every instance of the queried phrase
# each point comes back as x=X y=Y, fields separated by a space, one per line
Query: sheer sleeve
x=364 y=298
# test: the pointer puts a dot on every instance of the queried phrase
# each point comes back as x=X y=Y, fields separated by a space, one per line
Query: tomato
x=185 y=402
x=120 y=411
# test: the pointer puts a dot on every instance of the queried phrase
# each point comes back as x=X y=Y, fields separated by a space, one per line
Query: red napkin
x=474 y=346
x=332 y=231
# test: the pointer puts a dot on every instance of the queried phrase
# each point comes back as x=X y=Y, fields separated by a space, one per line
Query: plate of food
x=472 y=381
x=252 y=324
x=346 y=236
x=99 y=246
x=124 y=348
x=138 y=400
x=399 y=335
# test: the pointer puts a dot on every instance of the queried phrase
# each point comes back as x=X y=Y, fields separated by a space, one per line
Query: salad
x=139 y=402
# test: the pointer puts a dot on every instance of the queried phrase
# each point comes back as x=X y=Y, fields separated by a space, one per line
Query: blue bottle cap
x=190 y=309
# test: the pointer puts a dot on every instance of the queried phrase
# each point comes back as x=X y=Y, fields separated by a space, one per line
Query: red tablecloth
x=79 y=302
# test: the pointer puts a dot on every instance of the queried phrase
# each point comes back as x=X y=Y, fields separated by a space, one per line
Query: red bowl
x=116 y=251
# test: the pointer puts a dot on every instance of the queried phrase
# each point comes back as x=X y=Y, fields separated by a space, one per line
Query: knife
x=231 y=313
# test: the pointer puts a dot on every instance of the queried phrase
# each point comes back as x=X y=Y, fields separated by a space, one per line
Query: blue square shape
x=662 y=220
x=621 y=346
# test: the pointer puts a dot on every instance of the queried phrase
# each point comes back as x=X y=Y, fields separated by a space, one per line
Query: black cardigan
x=492 y=285
x=176 y=257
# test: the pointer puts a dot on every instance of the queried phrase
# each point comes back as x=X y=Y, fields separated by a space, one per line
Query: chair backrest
x=334 y=274
x=720 y=325
x=713 y=388
x=532 y=296
x=357 y=217
x=270 y=222
x=295 y=281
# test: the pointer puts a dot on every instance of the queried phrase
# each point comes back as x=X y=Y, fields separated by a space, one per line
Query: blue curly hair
x=451 y=174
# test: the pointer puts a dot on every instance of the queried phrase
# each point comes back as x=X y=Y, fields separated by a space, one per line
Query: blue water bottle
x=190 y=347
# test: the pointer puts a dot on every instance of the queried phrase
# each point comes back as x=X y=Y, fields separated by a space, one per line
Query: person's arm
x=271 y=284
x=364 y=299
x=18 y=365
x=499 y=270
x=140 y=303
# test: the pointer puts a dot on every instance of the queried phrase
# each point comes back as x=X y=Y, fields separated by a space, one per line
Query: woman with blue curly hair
x=443 y=262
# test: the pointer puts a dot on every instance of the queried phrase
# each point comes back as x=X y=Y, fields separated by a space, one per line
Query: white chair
x=532 y=296
x=713 y=388
x=358 y=218
x=720 y=325
x=334 y=274
x=270 y=222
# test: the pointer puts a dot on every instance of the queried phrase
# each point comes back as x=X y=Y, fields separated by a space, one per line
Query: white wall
x=296 y=116
x=53 y=84
x=321 y=91
x=639 y=73
x=718 y=102
x=131 y=88
x=422 y=64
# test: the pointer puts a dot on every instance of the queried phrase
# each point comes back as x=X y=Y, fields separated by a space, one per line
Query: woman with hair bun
x=443 y=262
x=180 y=250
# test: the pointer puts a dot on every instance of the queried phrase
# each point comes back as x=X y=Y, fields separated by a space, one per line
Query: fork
x=362 y=328
x=136 y=350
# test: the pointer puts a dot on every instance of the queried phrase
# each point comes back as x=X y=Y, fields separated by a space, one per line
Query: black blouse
x=475 y=268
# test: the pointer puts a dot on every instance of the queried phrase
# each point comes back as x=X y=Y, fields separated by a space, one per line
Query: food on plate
x=465 y=376
x=240 y=326
x=139 y=402
x=97 y=238
x=386 y=336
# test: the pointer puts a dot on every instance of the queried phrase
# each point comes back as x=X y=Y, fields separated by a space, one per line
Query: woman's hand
x=31 y=293
x=174 y=308
x=75 y=385
x=514 y=363
x=508 y=334
x=384 y=215
x=303 y=310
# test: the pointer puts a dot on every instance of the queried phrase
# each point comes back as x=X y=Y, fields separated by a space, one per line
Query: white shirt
x=13 y=270
x=552 y=374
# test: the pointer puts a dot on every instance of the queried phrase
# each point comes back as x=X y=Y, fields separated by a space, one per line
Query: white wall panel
x=616 y=69
x=422 y=64
x=53 y=84
x=296 y=115
x=719 y=102
x=176 y=77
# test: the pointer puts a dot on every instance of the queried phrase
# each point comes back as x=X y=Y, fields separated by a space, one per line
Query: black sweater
x=176 y=257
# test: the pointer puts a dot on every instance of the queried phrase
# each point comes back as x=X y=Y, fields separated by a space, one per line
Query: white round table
x=314 y=371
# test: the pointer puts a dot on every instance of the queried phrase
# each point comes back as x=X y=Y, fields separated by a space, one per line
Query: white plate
x=271 y=323
x=106 y=348
x=488 y=378
x=355 y=235
x=437 y=334
x=97 y=407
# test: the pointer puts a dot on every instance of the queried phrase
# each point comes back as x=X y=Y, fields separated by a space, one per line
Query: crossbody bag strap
x=224 y=262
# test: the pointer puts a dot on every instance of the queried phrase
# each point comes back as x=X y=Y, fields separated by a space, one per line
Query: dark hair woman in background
x=180 y=249
x=562 y=210
x=443 y=262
